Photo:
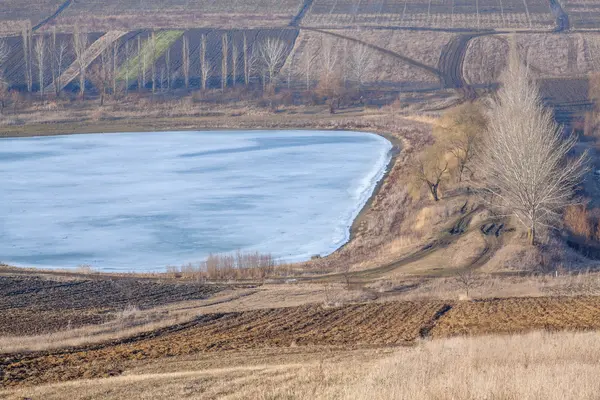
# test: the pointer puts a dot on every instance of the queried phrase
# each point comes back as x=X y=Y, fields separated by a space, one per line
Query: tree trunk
x=433 y=188
x=531 y=236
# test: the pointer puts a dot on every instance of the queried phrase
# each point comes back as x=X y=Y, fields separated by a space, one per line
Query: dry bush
x=577 y=219
x=222 y=267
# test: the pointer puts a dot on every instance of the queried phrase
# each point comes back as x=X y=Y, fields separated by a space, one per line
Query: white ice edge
x=365 y=191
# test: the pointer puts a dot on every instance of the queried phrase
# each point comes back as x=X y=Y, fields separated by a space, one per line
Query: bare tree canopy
x=272 y=53
x=461 y=129
x=432 y=169
x=360 y=63
x=524 y=161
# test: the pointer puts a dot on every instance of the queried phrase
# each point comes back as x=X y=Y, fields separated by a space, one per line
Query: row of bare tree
x=136 y=62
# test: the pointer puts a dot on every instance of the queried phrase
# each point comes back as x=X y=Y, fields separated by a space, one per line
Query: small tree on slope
x=524 y=163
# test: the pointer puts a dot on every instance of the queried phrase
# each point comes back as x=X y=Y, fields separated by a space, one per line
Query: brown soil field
x=310 y=327
x=386 y=71
x=393 y=323
x=33 y=305
x=519 y=315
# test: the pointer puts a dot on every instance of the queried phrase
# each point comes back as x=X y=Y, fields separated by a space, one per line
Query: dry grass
x=489 y=286
x=534 y=366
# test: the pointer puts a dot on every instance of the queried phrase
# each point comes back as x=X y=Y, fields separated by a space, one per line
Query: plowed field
x=311 y=327
x=515 y=315
x=34 y=305
x=394 y=323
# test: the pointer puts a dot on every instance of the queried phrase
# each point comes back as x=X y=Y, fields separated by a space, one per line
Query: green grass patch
x=164 y=40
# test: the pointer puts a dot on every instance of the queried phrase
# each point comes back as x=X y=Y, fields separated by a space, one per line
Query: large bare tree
x=272 y=53
x=525 y=160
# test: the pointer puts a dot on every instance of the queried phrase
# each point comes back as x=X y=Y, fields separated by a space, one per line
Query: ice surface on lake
x=142 y=201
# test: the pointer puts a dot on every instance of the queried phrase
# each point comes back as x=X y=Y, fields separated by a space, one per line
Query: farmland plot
x=384 y=70
x=33 y=305
x=548 y=55
x=16 y=14
x=384 y=324
x=100 y=15
x=470 y=14
x=583 y=14
x=520 y=315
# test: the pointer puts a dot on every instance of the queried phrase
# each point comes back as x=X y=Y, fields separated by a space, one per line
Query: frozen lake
x=142 y=201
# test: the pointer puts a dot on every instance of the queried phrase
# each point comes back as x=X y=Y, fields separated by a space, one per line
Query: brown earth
x=32 y=305
x=309 y=327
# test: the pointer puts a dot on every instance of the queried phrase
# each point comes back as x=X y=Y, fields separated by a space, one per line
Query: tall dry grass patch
x=535 y=366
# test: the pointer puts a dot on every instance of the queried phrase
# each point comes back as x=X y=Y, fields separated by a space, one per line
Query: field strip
x=91 y=54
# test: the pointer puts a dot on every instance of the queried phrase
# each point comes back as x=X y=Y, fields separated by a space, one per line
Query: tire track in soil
x=492 y=231
x=452 y=60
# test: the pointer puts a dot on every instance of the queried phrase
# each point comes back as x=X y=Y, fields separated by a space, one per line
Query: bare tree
x=186 y=61
x=431 y=169
x=246 y=65
x=524 y=162
x=168 y=67
x=52 y=51
x=461 y=129
x=205 y=66
x=468 y=281
x=114 y=67
x=40 y=57
x=360 y=64
x=225 y=55
x=4 y=52
x=140 y=74
x=153 y=60
x=234 y=60
x=127 y=63
x=80 y=45
x=272 y=53
x=59 y=60
x=25 y=39
x=329 y=62
x=308 y=59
